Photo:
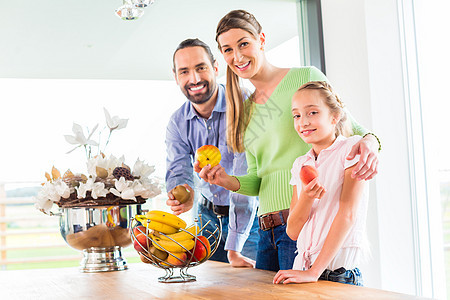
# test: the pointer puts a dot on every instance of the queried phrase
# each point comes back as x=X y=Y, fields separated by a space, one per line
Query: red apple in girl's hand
x=308 y=173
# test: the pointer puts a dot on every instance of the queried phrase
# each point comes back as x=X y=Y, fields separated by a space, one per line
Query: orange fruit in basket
x=208 y=154
x=202 y=248
x=177 y=258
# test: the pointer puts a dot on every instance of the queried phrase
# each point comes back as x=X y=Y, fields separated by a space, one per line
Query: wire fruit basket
x=174 y=248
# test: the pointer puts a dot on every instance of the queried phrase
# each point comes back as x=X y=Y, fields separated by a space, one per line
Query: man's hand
x=237 y=260
x=176 y=206
x=367 y=167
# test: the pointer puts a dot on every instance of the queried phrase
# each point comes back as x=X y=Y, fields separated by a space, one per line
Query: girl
x=327 y=224
x=264 y=125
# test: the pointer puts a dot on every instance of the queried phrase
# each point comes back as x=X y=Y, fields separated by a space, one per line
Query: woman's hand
x=367 y=167
x=176 y=206
x=295 y=276
x=313 y=190
x=217 y=176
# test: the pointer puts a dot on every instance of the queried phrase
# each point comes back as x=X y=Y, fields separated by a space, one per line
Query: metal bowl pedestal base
x=184 y=276
x=97 y=259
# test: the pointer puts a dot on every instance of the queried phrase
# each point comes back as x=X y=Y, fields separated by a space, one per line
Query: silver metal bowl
x=180 y=262
x=100 y=232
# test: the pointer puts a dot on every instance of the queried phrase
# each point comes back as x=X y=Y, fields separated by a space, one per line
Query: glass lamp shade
x=140 y=3
x=129 y=12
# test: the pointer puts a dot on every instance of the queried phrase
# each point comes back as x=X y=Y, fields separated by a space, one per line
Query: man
x=201 y=121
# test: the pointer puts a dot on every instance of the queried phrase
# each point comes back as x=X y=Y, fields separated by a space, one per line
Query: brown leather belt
x=271 y=220
x=222 y=210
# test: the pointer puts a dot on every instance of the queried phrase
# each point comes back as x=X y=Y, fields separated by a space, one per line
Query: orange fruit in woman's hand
x=208 y=154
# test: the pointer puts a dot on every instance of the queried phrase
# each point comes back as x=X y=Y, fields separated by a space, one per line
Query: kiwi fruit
x=144 y=259
x=181 y=193
x=162 y=255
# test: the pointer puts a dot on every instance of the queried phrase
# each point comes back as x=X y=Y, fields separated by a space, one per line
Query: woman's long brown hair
x=238 y=113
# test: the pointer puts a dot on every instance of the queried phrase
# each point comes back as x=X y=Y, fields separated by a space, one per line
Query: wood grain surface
x=214 y=281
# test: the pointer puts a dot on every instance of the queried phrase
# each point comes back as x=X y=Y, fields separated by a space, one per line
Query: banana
x=171 y=246
x=155 y=225
x=161 y=227
x=166 y=218
x=183 y=234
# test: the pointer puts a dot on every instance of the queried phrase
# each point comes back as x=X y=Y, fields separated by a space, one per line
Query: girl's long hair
x=238 y=113
x=331 y=99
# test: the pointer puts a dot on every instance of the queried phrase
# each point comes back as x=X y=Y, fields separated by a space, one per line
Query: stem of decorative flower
x=107 y=141
x=99 y=142
x=85 y=150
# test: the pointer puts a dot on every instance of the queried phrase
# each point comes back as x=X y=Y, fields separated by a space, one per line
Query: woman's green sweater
x=272 y=144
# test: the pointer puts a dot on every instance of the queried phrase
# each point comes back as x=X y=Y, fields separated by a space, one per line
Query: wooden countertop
x=214 y=281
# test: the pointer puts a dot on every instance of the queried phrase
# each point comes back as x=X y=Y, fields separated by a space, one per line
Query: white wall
x=363 y=62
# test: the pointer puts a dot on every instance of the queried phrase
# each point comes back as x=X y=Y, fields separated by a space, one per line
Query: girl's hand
x=313 y=190
x=367 y=167
x=294 y=276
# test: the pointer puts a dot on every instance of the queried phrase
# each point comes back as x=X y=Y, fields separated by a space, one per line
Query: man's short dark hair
x=193 y=43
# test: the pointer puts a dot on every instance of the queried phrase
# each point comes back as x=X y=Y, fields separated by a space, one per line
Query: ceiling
x=84 y=39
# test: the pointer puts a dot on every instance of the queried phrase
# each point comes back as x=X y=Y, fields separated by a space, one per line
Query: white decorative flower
x=149 y=189
x=55 y=190
x=123 y=189
x=142 y=169
x=115 y=122
x=81 y=190
x=100 y=169
x=97 y=189
x=61 y=188
x=109 y=164
x=50 y=193
x=138 y=188
x=79 y=138
x=42 y=204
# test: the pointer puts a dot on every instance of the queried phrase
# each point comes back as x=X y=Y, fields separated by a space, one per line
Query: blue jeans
x=342 y=275
x=276 y=251
x=250 y=247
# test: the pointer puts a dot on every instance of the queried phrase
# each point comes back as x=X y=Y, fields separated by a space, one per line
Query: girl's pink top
x=331 y=164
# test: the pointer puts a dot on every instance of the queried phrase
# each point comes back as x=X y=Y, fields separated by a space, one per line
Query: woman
x=263 y=127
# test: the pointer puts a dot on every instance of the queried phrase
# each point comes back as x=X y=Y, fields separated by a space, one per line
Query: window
x=33 y=133
x=433 y=64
